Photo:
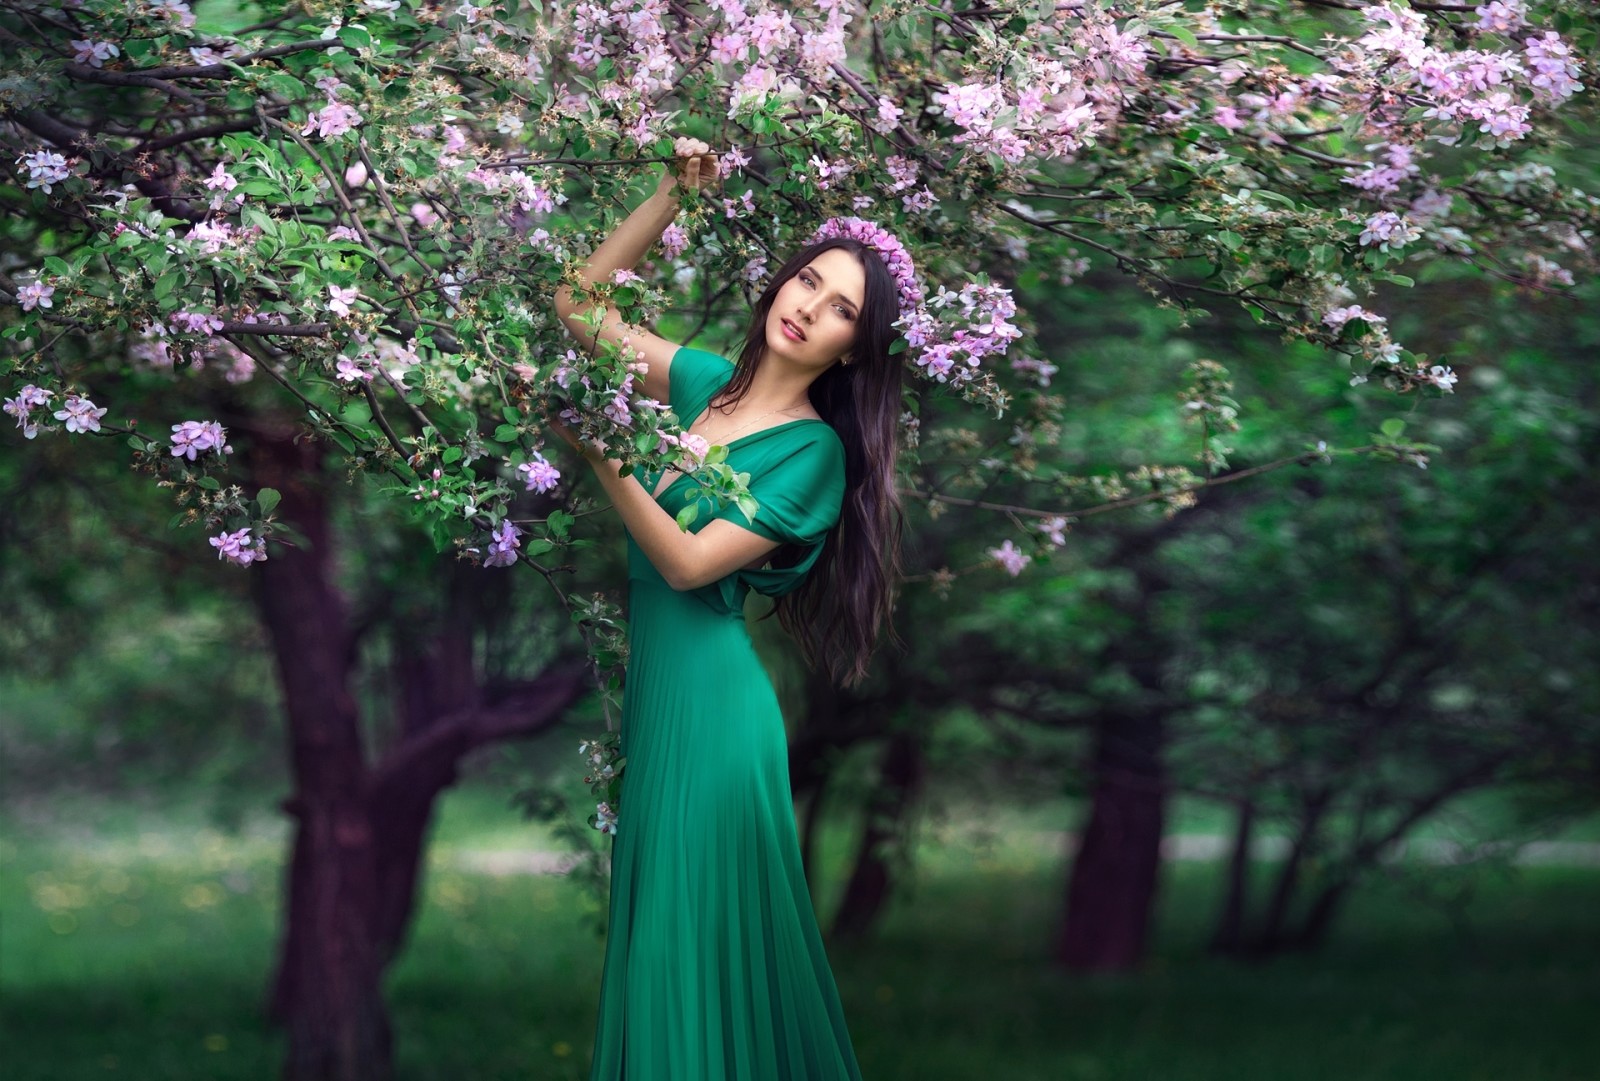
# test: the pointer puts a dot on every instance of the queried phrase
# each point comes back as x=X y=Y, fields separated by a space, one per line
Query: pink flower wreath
x=947 y=351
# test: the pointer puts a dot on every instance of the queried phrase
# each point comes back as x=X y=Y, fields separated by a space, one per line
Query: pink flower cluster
x=22 y=406
x=888 y=247
x=94 y=53
x=1389 y=231
x=195 y=437
x=236 y=548
x=540 y=475
x=334 y=118
x=36 y=295
x=503 y=548
x=80 y=414
x=46 y=168
x=1010 y=557
x=195 y=322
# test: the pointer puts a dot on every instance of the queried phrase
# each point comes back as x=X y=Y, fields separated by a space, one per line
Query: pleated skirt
x=714 y=968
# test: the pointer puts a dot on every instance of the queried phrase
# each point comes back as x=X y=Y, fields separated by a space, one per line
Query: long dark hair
x=847 y=599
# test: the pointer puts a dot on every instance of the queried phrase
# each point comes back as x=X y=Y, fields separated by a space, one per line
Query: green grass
x=140 y=946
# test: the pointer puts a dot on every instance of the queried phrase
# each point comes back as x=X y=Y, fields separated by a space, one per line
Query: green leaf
x=267 y=500
x=355 y=37
x=1393 y=428
x=687 y=515
x=451 y=454
x=505 y=433
x=166 y=284
x=1230 y=240
x=211 y=484
x=1185 y=35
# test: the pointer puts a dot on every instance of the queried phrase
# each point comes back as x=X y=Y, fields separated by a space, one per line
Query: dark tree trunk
x=1229 y=935
x=360 y=828
x=1272 y=934
x=883 y=828
x=1112 y=891
x=327 y=990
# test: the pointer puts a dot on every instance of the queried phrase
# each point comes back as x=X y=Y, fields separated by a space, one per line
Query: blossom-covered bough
x=362 y=212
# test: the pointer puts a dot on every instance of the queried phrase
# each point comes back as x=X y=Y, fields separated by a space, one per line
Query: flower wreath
x=948 y=349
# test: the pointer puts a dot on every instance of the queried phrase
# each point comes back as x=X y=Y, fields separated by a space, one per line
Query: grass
x=141 y=945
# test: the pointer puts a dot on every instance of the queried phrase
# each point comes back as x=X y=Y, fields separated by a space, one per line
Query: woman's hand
x=695 y=168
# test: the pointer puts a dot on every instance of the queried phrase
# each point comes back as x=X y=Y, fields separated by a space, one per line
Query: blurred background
x=1300 y=783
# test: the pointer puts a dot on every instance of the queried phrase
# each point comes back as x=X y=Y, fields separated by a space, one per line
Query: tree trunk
x=361 y=828
x=1229 y=935
x=1272 y=934
x=327 y=991
x=867 y=892
x=1112 y=891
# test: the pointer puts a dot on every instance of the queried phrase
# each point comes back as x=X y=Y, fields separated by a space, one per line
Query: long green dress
x=714 y=967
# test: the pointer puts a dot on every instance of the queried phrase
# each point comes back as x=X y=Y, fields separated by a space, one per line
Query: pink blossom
x=45 y=169
x=1338 y=317
x=1055 y=529
x=694 y=448
x=1502 y=16
x=1555 y=72
x=211 y=236
x=1010 y=557
x=352 y=370
x=94 y=53
x=618 y=410
x=424 y=214
x=342 y=299
x=332 y=120
x=175 y=11
x=674 y=240
x=36 y=295
x=1228 y=117
x=22 y=406
x=235 y=547
x=540 y=475
x=194 y=437
x=888 y=117
x=195 y=322
x=729 y=48
x=1389 y=231
x=734 y=160
x=80 y=414
x=503 y=549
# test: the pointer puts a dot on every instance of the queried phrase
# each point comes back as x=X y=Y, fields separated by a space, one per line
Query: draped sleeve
x=695 y=375
x=801 y=492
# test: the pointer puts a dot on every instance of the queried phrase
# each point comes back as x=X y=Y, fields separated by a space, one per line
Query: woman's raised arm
x=696 y=168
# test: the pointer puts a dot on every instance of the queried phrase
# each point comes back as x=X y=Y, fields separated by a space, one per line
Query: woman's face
x=813 y=319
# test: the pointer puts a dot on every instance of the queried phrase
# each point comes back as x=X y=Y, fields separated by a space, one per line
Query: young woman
x=714 y=967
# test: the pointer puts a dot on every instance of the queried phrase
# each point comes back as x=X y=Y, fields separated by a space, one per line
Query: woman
x=714 y=967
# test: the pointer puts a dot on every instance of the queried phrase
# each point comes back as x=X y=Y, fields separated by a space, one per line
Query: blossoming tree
x=348 y=220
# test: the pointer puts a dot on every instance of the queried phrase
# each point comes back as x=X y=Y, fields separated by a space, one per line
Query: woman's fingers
x=697 y=163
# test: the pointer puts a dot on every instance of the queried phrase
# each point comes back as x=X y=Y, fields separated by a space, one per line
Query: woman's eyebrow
x=809 y=269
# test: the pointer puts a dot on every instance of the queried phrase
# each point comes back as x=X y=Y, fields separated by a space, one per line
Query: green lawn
x=140 y=947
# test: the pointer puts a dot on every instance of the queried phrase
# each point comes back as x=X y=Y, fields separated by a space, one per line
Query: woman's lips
x=790 y=330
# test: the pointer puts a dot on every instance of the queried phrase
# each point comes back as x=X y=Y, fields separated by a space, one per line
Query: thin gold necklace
x=781 y=409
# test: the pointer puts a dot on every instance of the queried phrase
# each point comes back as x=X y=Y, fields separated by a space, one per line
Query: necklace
x=782 y=409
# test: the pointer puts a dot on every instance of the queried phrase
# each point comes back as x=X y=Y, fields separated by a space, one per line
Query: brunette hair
x=847 y=600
